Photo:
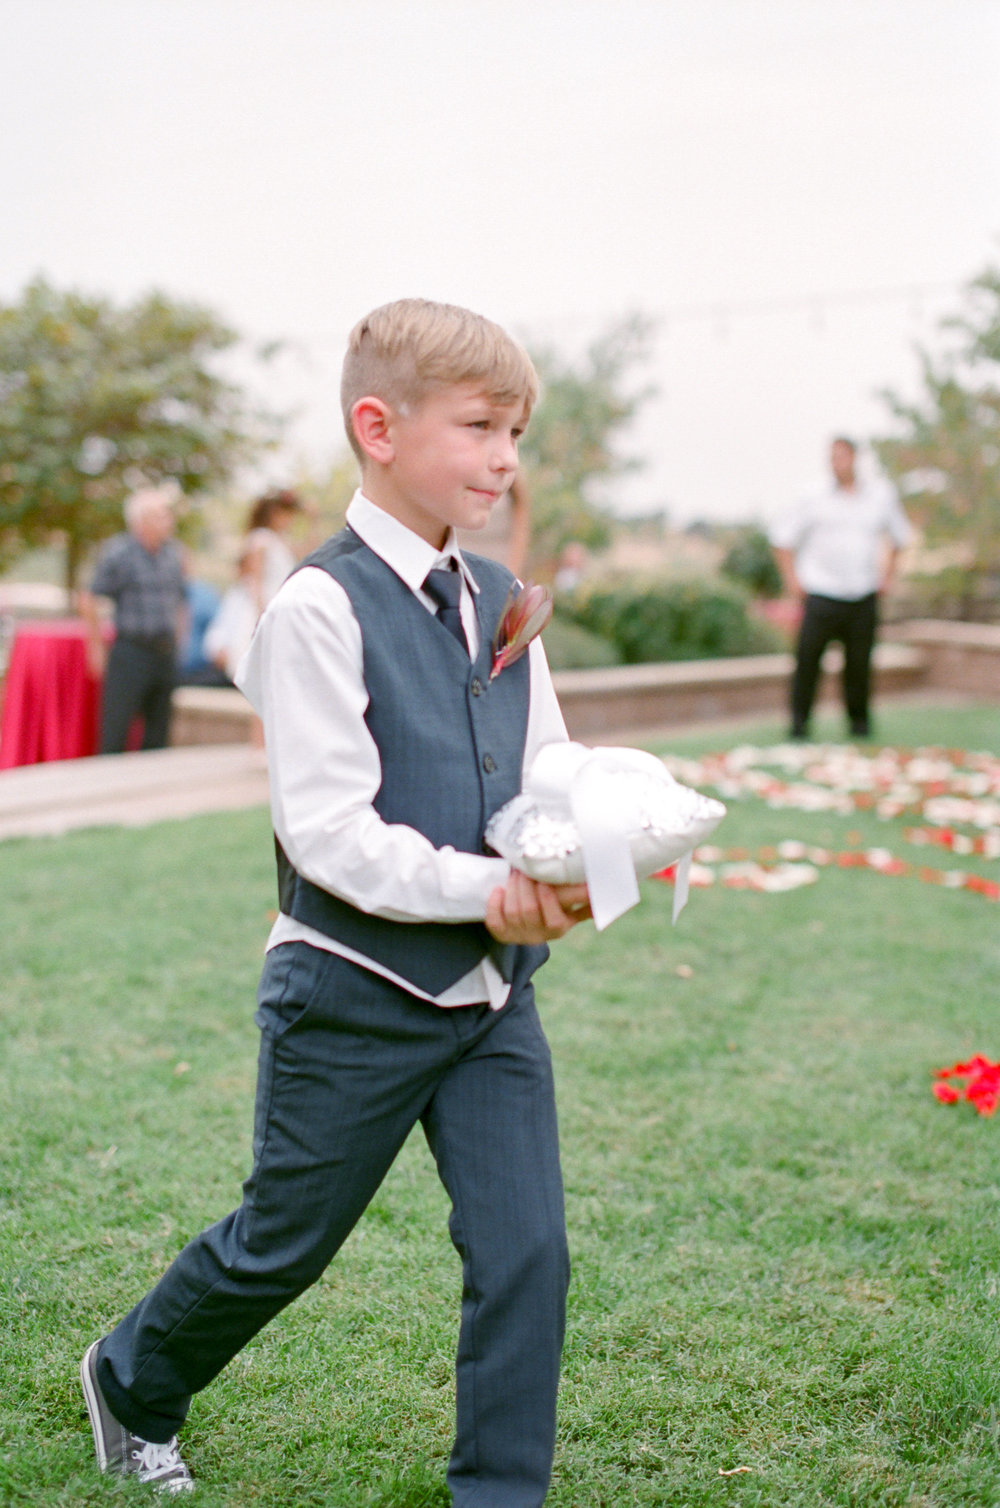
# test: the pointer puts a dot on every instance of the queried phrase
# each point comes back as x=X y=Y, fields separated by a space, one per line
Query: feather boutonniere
x=525 y=613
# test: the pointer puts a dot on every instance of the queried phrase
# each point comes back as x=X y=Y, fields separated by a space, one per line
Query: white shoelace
x=158 y=1461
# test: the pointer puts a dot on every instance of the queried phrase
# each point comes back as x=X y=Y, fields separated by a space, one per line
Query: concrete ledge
x=960 y=656
x=210 y=715
x=974 y=636
x=599 y=703
x=933 y=655
x=129 y=789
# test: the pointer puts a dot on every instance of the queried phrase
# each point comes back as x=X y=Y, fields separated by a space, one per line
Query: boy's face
x=453 y=456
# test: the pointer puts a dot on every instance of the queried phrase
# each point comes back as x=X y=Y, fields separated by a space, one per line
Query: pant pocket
x=287 y=987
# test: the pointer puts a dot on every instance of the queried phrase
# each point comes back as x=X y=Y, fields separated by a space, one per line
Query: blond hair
x=407 y=349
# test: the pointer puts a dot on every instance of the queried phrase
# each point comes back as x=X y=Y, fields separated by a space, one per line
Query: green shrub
x=569 y=646
x=750 y=562
x=955 y=592
x=674 y=620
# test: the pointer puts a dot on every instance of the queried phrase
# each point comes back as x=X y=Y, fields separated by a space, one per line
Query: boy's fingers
x=554 y=916
x=494 y=909
x=574 y=898
x=522 y=896
x=526 y=910
x=573 y=902
x=511 y=912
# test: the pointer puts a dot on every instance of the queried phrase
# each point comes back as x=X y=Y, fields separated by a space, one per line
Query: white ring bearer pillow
x=606 y=816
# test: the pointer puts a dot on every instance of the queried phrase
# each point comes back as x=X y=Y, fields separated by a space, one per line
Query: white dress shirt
x=303 y=675
x=839 y=535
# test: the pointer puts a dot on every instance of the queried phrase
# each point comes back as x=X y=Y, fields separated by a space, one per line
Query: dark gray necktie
x=445 y=586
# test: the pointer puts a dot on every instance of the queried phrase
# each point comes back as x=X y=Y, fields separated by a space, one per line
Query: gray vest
x=451 y=744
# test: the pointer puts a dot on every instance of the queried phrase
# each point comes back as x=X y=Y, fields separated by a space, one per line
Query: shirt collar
x=403 y=551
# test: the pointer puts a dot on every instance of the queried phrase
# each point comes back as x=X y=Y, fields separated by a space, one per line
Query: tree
x=95 y=399
x=333 y=488
x=945 y=455
x=568 y=451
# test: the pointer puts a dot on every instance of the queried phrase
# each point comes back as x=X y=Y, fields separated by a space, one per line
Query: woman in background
x=267 y=558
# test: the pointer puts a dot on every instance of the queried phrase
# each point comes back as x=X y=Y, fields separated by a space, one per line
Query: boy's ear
x=371 y=419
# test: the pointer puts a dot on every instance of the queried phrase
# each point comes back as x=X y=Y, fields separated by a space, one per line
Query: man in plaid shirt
x=142 y=572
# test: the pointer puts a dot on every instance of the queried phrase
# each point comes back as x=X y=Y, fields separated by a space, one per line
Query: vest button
x=489 y=763
x=477 y=687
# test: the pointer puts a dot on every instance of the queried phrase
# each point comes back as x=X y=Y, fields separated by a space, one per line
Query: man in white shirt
x=837 y=551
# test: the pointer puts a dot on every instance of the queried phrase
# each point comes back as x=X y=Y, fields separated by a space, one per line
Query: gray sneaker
x=123 y=1453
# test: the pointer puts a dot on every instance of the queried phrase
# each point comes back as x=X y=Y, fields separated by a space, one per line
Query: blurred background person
x=837 y=551
x=194 y=668
x=231 y=629
x=267 y=557
x=141 y=572
x=571 y=567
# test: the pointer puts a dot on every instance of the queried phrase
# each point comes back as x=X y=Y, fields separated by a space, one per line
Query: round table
x=51 y=704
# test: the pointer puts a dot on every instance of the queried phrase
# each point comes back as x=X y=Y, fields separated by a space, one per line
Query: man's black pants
x=139 y=682
x=825 y=621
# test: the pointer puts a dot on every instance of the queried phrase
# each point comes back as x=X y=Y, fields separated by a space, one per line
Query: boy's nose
x=505 y=454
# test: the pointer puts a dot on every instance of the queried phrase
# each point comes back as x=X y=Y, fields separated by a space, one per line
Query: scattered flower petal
x=982 y=1089
x=945 y=1093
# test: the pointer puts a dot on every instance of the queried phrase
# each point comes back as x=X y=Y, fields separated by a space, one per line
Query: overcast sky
x=796 y=188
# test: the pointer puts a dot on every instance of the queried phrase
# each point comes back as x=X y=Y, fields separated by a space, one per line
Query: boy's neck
x=431 y=530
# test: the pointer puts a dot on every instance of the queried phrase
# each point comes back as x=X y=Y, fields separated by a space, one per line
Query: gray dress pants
x=348 y=1064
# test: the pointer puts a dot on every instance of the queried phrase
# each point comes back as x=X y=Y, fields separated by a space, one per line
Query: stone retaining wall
x=210 y=715
x=597 y=704
x=960 y=656
x=600 y=704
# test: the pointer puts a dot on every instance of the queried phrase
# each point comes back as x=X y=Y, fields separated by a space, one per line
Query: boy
x=396 y=986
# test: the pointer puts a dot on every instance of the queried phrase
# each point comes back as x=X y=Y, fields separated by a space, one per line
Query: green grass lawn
x=786 y=1253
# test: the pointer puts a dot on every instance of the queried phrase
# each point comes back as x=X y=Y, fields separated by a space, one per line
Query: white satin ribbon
x=682 y=882
x=570 y=779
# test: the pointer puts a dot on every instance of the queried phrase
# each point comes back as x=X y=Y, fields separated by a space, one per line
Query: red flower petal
x=946 y=1093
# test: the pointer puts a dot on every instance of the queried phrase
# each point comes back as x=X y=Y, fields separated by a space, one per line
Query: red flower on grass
x=982 y=1084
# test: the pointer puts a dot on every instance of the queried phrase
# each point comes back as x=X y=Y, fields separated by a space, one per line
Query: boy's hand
x=526 y=911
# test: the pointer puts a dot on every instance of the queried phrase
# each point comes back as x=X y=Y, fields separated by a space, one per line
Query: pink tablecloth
x=51 y=701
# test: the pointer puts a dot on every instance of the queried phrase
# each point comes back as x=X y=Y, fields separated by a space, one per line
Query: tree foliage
x=569 y=451
x=333 y=488
x=945 y=452
x=95 y=399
